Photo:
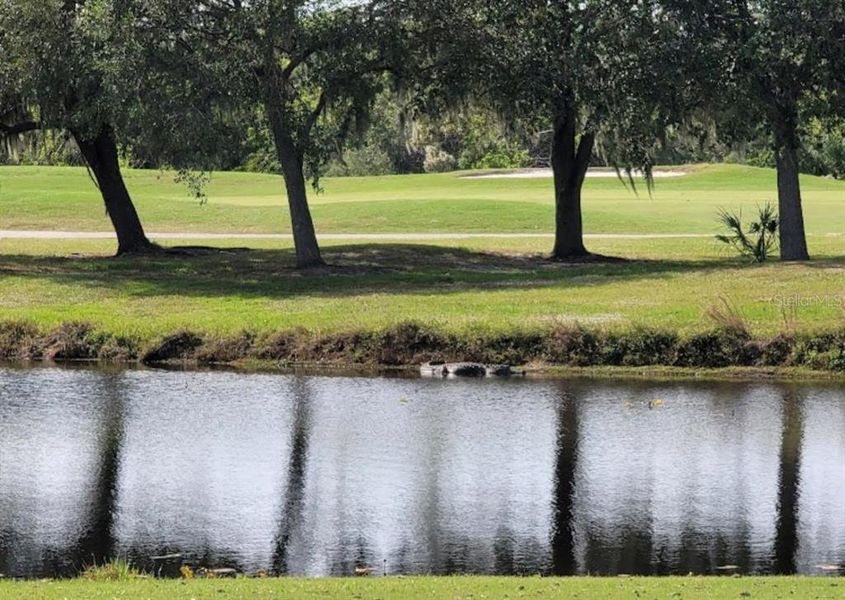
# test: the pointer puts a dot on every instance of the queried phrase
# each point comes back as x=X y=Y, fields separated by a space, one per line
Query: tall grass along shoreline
x=410 y=343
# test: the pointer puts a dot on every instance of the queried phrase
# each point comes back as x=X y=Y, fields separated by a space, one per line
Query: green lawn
x=451 y=588
x=489 y=283
x=65 y=199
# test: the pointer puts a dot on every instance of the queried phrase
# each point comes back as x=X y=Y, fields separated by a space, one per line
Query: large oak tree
x=602 y=75
x=52 y=58
x=312 y=67
x=779 y=63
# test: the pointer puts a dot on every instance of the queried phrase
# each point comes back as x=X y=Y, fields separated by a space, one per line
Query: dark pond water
x=320 y=475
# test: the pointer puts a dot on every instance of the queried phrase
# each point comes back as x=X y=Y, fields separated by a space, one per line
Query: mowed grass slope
x=411 y=588
x=494 y=284
x=64 y=198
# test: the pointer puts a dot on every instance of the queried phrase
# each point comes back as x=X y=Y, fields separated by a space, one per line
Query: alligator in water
x=465 y=369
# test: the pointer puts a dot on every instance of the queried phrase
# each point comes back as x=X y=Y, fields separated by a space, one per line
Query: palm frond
x=755 y=242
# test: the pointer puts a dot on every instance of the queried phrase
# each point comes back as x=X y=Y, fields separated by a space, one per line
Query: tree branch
x=584 y=152
x=583 y=155
x=295 y=62
x=18 y=128
x=315 y=114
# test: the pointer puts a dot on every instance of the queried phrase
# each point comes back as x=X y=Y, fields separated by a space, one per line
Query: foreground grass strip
x=757 y=588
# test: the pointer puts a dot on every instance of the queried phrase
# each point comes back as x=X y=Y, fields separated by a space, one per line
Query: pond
x=323 y=475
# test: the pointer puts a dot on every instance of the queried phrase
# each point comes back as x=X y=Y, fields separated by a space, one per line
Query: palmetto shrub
x=758 y=240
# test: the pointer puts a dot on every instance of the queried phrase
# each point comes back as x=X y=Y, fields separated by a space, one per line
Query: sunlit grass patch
x=63 y=198
x=451 y=588
x=462 y=285
x=116 y=569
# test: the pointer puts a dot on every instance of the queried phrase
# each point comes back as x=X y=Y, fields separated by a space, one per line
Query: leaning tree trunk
x=793 y=241
x=100 y=152
x=569 y=166
x=304 y=236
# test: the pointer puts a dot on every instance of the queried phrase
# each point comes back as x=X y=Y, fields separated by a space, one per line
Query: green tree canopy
x=313 y=70
x=777 y=65
x=55 y=74
x=602 y=75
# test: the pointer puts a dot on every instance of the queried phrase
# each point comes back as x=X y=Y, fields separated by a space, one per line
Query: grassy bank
x=408 y=343
x=409 y=588
x=482 y=288
x=64 y=198
x=460 y=286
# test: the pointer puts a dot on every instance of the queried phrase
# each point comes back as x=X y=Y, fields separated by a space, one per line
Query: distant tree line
x=310 y=88
x=398 y=142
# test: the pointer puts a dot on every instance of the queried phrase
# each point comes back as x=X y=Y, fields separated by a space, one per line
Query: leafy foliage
x=824 y=147
x=536 y=60
x=755 y=242
x=313 y=68
x=774 y=66
x=181 y=82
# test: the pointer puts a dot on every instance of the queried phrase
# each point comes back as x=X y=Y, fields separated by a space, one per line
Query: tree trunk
x=793 y=241
x=304 y=237
x=100 y=153
x=569 y=167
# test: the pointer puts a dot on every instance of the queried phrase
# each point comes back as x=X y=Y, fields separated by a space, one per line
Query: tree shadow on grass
x=353 y=270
